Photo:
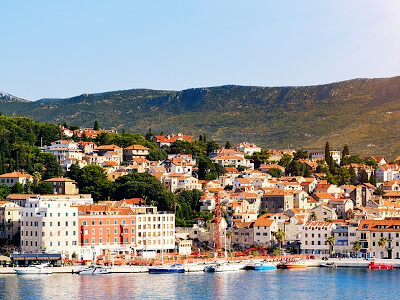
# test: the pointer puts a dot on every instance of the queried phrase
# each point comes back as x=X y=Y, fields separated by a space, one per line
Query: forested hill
x=364 y=113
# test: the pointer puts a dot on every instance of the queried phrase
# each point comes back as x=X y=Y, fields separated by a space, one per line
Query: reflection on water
x=310 y=283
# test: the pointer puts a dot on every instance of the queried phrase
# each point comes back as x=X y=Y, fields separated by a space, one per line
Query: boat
x=292 y=265
x=373 y=266
x=94 y=270
x=328 y=265
x=263 y=266
x=34 y=269
x=224 y=267
x=175 y=268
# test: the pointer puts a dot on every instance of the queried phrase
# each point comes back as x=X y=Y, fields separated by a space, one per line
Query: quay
x=199 y=267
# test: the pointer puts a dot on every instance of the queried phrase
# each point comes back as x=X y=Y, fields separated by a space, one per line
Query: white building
x=49 y=226
x=319 y=155
x=313 y=238
x=155 y=232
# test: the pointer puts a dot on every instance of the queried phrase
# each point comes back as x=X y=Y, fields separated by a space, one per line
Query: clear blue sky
x=66 y=48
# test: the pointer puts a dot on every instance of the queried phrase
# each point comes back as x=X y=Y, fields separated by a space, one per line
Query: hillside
x=364 y=113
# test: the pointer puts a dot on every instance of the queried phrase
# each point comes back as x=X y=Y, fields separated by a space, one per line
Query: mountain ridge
x=363 y=113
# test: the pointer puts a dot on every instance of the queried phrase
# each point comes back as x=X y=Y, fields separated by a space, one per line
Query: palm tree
x=382 y=243
x=357 y=246
x=313 y=216
x=229 y=236
x=280 y=237
x=331 y=241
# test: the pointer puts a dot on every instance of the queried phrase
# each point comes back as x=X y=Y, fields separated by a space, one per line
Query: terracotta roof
x=136 y=147
x=59 y=179
x=15 y=175
x=264 y=221
x=108 y=147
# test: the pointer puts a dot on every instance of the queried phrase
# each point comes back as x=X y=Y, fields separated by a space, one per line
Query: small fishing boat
x=224 y=267
x=374 y=266
x=175 y=268
x=94 y=270
x=328 y=265
x=34 y=269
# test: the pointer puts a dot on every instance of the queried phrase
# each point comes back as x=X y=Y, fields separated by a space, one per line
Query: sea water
x=310 y=283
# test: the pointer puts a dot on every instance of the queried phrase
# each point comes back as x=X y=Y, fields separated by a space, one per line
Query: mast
x=217 y=222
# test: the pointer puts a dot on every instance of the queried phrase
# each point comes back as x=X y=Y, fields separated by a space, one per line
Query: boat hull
x=165 y=270
x=262 y=268
x=29 y=272
x=94 y=271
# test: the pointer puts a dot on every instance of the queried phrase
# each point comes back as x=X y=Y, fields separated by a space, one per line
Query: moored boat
x=34 y=269
x=224 y=267
x=94 y=270
x=328 y=265
x=263 y=266
x=292 y=265
x=373 y=266
x=175 y=268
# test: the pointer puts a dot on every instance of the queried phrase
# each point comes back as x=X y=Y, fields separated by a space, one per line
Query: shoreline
x=199 y=267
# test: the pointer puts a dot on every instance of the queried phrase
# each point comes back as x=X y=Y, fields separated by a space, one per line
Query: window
x=132 y=240
x=58 y=214
x=86 y=241
x=58 y=223
x=73 y=232
x=125 y=240
x=43 y=224
x=123 y=222
x=66 y=214
x=132 y=221
x=92 y=222
x=133 y=230
x=115 y=222
x=126 y=230
x=66 y=233
x=100 y=241
x=373 y=234
x=84 y=223
x=100 y=222
x=115 y=231
x=115 y=240
x=258 y=233
x=66 y=223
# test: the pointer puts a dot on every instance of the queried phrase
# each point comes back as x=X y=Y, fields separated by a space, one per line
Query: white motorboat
x=94 y=270
x=224 y=267
x=34 y=269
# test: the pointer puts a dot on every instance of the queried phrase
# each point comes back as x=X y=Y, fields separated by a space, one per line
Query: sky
x=59 y=49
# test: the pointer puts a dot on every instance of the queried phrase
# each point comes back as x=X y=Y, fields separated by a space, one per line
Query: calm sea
x=311 y=283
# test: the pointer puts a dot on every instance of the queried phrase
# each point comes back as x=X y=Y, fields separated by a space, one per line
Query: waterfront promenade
x=199 y=267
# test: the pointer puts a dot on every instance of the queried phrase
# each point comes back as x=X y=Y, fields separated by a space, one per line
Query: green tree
x=379 y=191
x=280 y=237
x=345 y=151
x=285 y=160
x=363 y=176
x=260 y=158
x=211 y=146
x=149 y=135
x=353 y=176
x=331 y=241
x=51 y=166
x=96 y=125
x=382 y=243
x=313 y=216
x=228 y=145
x=327 y=153
x=356 y=246
x=5 y=190
x=93 y=180
x=229 y=236
x=157 y=155
x=276 y=173
x=372 y=179
x=140 y=185
x=44 y=188
x=74 y=172
x=18 y=188
x=300 y=154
